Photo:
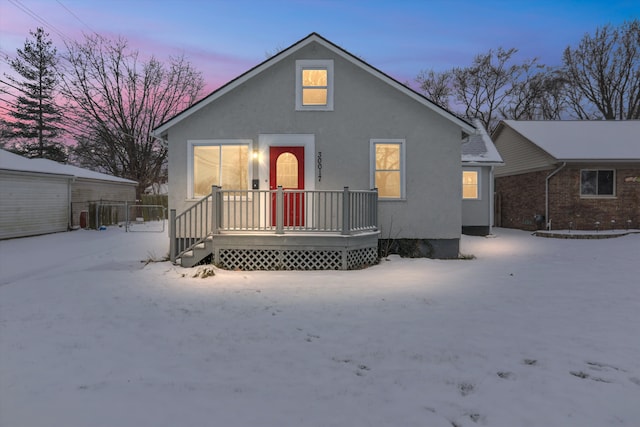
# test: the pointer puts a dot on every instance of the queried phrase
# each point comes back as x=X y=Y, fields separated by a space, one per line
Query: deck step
x=196 y=254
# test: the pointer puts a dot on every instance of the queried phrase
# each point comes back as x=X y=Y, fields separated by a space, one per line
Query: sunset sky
x=224 y=38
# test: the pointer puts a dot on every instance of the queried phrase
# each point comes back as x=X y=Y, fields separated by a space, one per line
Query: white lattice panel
x=274 y=259
x=360 y=258
x=312 y=260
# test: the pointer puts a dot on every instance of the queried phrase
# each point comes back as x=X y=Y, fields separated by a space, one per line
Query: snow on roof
x=582 y=139
x=479 y=148
x=10 y=161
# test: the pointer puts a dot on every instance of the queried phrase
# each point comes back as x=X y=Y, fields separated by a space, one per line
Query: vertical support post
x=126 y=216
x=375 y=208
x=280 y=210
x=346 y=212
x=172 y=235
x=216 y=209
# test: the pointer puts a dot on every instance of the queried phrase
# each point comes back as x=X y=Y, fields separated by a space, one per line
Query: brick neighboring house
x=583 y=175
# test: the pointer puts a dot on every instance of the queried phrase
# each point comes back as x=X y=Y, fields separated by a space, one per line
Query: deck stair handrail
x=191 y=227
x=279 y=211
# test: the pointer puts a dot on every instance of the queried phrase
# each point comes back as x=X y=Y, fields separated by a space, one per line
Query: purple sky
x=225 y=38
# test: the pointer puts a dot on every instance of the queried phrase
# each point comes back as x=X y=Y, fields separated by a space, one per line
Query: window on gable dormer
x=314 y=85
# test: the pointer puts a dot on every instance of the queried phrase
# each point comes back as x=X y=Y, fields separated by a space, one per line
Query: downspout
x=546 y=193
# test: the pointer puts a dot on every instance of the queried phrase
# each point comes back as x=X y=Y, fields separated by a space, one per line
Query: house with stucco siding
x=313 y=159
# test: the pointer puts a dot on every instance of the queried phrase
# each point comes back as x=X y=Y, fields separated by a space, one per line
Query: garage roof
x=10 y=161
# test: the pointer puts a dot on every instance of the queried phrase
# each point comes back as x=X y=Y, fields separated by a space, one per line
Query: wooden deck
x=278 y=230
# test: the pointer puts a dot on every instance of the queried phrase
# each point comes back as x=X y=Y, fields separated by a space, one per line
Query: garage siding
x=85 y=191
x=32 y=204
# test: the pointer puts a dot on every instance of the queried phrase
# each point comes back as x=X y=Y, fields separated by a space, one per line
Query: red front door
x=286 y=169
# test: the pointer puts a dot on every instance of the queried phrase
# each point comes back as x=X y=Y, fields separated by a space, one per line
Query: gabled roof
x=14 y=162
x=311 y=38
x=478 y=148
x=581 y=140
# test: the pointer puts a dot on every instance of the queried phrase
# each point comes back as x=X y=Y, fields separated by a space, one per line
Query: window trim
x=478 y=172
x=598 y=196
x=214 y=142
x=326 y=64
x=403 y=166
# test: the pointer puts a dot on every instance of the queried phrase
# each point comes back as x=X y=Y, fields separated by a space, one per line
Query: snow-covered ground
x=533 y=332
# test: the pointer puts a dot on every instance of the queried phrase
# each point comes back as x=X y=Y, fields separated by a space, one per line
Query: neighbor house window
x=388 y=168
x=597 y=182
x=314 y=85
x=470 y=185
x=217 y=162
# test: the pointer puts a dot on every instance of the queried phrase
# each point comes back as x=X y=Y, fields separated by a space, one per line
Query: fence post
x=280 y=210
x=172 y=235
x=126 y=216
x=346 y=212
x=216 y=209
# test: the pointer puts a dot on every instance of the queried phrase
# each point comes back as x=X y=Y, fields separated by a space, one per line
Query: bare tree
x=540 y=94
x=487 y=85
x=604 y=71
x=118 y=99
x=493 y=87
x=437 y=86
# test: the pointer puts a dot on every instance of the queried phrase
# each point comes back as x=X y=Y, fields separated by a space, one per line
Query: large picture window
x=314 y=85
x=470 y=185
x=224 y=163
x=388 y=168
x=597 y=182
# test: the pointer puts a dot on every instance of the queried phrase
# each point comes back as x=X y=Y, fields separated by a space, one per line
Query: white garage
x=39 y=196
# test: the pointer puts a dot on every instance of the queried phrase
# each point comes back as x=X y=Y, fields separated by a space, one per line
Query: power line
x=25 y=9
x=9 y=102
x=76 y=16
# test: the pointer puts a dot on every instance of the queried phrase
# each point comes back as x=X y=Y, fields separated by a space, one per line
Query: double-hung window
x=217 y=162
x=314 y=85
x=388 y=167
x=470 y=185
x=595 y=183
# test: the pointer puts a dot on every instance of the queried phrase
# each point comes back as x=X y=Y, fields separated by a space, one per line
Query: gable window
x=388 y=167
x=597 y=182
x=470 y=185
x=217 y=162
x=314 y=85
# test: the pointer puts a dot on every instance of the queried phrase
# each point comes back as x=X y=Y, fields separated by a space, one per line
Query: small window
x=597 y=183
x=388 y=168
x=470 y=185
x=314 y=85
x=224 y=163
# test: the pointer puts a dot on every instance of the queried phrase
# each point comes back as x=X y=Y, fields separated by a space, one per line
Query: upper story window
x=597 y=182
x=314 y=85
x=217 y=162
x=470 y=185
x=388 y=168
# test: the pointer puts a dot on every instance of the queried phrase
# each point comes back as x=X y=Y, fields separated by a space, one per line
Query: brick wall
x=520 y=199
x=522 y=196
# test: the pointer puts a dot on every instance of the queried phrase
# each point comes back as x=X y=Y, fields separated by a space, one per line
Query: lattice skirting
x=296 y=259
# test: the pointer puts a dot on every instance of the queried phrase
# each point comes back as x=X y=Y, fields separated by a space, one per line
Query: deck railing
x=272 y=211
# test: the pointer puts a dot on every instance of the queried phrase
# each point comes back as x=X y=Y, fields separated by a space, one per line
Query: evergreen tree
x=37 y=117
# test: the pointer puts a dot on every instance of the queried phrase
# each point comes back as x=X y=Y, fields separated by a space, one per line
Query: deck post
x=172 y=235
x=346 y=212
x=216 y=209
x=280 y=210
x=374 y=208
